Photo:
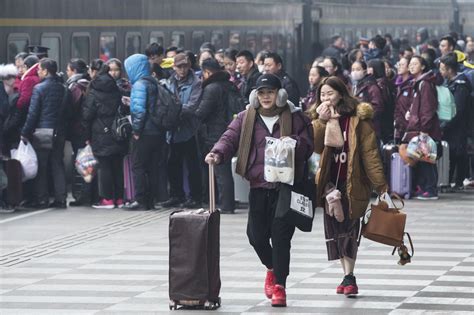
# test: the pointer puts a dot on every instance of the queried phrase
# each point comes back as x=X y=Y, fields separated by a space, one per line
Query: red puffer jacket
x=28 y=82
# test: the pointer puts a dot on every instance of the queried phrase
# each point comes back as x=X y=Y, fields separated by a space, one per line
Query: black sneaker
x=58 y=204
x=79 y=203
x=172 y=202
x=351 y=287
x=191 y=204
x=135 y=206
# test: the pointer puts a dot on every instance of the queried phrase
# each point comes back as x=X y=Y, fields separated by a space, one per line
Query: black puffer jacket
x=102 y=102
x=46 y=107
x=250 y=82
x=212 y=108
x=290 y=86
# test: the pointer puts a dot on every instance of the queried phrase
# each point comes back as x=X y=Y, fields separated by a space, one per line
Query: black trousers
x=110 y=175
x=51 y=160
x=146 y=153
x=458 y=165
x=180 y=153
x=80 y=189
x=262 y=226
x=162 y=193
x=426 y=176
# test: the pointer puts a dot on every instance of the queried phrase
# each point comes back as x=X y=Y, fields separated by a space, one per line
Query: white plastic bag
x=86 y=163
x=28 y=159
x=279 y=164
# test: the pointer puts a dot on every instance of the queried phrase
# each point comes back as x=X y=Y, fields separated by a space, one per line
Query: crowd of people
x=382 y=91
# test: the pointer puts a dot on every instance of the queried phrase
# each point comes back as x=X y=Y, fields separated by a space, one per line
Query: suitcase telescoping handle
x=212 y=192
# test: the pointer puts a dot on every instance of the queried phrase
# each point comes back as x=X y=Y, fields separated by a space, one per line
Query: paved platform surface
x=87 y=261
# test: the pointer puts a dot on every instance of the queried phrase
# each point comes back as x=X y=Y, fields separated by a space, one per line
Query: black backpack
x=235 y=102
x=121 y=128
x=165 y=113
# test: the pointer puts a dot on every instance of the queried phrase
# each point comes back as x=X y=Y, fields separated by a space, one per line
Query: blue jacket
x=144 y=93
x=189 y=91
x=46 y=107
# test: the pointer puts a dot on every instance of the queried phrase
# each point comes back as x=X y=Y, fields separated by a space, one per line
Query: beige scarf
x=247 y=132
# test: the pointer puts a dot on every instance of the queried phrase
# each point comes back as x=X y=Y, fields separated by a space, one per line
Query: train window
x=217 y=39
x=234 y=40
x=251 y=42
x=267 y=41
x=80 y=46
x=53 y=42
x=177 y=39
x=157 y=37
x=107 y=46
x=280 y=48
x=197 y=40
x=133 y=43
x=17 y=43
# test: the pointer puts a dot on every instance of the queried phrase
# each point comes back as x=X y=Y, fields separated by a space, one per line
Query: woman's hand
x=126 y=100
x=324 y=111
x=212 y=158
x=407 y=115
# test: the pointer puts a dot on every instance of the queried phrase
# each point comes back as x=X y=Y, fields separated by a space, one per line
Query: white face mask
x=357 y=75
x=260 y=68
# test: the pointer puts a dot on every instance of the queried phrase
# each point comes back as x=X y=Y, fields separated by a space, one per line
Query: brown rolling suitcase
x=194 y=270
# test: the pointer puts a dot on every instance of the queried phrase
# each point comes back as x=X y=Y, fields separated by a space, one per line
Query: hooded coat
x=456 y=130
x=423 y=112
x=144 y=93
x=402 y=105
x=77 y=86
x=102 y=102
x=364 y=166
x=368 y=91
x=302 y=132
x=28 y=81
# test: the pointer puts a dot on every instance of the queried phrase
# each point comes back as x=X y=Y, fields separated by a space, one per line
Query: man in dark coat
x=336 y=49
x=455 y=131
x=273 y=64
x=249 y=72
x=46 y=112
x=212 y=111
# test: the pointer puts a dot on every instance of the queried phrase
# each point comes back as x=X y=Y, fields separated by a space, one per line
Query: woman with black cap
x=268 y=115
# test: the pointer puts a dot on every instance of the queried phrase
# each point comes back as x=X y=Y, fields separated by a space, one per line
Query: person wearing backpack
x=147 y=138
x=77 y=83
x=455 y=131
x=212 y=112
x=423 y=119
x=101 y=104
x=183 y=141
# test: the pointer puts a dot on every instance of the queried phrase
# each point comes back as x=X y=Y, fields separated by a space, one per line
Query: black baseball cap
x=269 y=81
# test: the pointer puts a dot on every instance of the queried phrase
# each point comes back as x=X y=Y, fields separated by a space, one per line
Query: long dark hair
x=346 y=105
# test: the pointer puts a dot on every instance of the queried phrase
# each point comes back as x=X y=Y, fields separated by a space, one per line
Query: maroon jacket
x=302 y=132
x=368 y=91
x=28 y=82
x=402 y=104
x=423 y=115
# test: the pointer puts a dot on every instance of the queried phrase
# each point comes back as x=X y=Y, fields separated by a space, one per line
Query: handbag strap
x=409 y=241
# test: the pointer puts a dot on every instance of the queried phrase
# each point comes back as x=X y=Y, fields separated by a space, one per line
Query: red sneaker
x=279 y=296
x=351 y=286
x=104 y=204
x=340 y=288
x=119 y=203
x=269 y=283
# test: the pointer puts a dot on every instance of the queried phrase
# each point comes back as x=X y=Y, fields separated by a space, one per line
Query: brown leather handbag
x=386 y=225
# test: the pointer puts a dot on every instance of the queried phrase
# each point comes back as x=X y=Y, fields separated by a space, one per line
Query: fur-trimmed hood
x=364 y=111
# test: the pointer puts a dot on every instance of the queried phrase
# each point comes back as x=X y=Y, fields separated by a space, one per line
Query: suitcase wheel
x=173 y=305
